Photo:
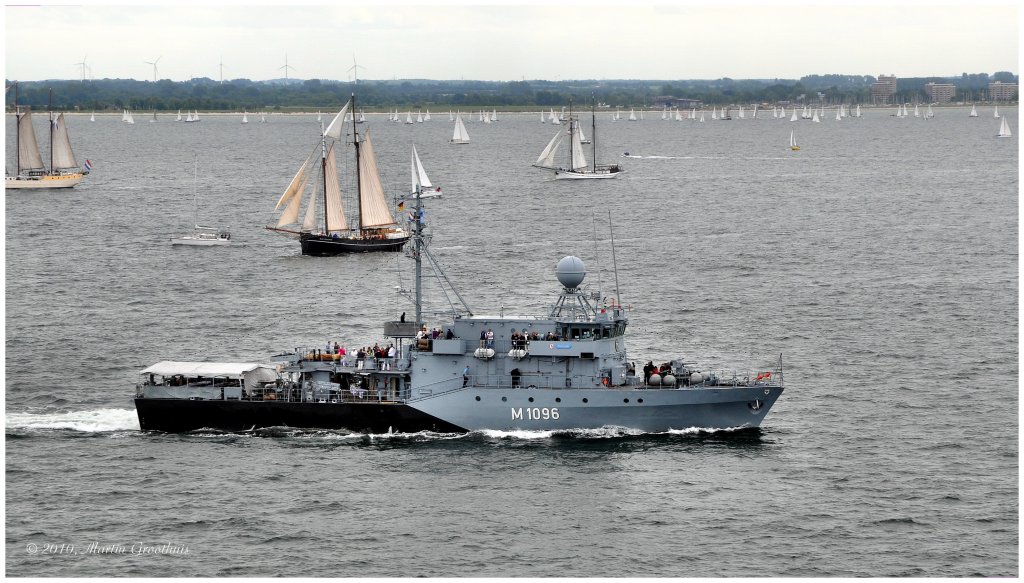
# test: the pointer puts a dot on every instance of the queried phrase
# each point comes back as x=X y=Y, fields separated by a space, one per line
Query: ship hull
x=182 y=415
x=50 y=181
x=473 y=409
x=328 y=246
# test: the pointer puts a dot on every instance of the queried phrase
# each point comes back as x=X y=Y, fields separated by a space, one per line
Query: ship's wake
x=90 y=421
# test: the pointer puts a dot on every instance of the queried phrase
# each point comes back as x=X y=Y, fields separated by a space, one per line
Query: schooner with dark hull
x=317 y=184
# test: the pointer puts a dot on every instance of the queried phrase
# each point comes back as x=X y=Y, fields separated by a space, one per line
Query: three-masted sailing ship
x=578 y=168
x=324 y=229
x=63 y=172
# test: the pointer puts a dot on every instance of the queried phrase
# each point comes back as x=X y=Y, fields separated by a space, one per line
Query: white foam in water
x=517 y=434
x=98 y=420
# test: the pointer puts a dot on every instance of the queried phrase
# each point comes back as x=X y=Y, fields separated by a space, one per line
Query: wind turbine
x=285 y=67
x=354 y=68
x=154 y=66
x=83 y=65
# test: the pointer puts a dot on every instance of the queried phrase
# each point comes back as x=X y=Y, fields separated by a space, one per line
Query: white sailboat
x=995 y=112
x=324 y=229
x=792 y=140
x=793 y=118
x=245 y=116
x=632 y=115
x=263 y=118
x=578 y=168
x=929 y=114
x=1004 y=129
x=426 y=116
x=64 y=171
x=408 y=117
x=974 y=111
x=460 y=135
x=201 y=236
x=421 y=186
x=153 y=119
x=93 y=116
x=179 y=116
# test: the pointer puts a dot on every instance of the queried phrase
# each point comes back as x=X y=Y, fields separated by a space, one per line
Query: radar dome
x=571 y=271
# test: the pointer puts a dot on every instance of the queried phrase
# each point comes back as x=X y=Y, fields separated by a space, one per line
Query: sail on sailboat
x=421 y=186
x=578 y=167
x=792 y=140
x=974 y=111
x=376 y=230
x=460 y=135
x=1004 y=129
x=64 y=171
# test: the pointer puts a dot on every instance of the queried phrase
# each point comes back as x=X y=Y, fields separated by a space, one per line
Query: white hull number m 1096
x=534 y=413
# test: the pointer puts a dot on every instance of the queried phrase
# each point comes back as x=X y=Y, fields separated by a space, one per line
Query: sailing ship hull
x=475 y=409
x=567 y=175
x=49 y=181
x=324 y=246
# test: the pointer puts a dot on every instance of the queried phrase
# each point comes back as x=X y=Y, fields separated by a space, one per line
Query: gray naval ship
x=564 y=370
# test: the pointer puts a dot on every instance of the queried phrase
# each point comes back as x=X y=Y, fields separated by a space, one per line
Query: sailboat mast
x=49 y=112
x=418 y=238
x=17 y=130
x=593 y=131
x=572 y=129
x=323 y=172
x=359 y=189
x=195 y=186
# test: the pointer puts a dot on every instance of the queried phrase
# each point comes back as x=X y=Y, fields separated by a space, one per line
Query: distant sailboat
x=632 y=116
x=578 y=167
x=1004 y=129
x=792 y=140
x=245 y=117
x=408 y=117
x=153 y=119
x=460 y=135
x=974 y=111
x=419 y=117
x=426 y=116
x=93 y=116
x=201 y=236
x=995 y=112
x=317 y=183
x=263 y=118
x=421 y=186
x=179 y=116
x=64 y=171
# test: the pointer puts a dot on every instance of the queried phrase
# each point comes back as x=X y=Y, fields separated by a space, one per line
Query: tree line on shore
x=297 y=95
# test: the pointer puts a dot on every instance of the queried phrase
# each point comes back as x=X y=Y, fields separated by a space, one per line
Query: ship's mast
x=593 y=131
x=355 y=142
x=571 y=130
x=49 y=112
x=17 y=131
x=417 y=253
x=323 y=172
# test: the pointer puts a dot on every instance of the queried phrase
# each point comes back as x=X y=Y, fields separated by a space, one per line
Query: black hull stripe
x=181 y=415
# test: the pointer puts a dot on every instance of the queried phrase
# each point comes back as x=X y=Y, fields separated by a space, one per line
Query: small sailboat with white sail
x=1004 y=129
x=578 y=168
x=179 y=116
x=421 y=186
x=201 y=236
x=459 y=135
x=792 y=141
x=64 y=171
x=318 y=184
x=974 y=111
x=245 y=116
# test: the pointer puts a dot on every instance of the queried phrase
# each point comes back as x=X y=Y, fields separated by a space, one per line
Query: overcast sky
x=510 y=41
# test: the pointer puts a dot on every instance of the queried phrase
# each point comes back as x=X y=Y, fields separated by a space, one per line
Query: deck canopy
x=235 y=370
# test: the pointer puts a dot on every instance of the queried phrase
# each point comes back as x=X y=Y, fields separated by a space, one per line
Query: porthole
x=584 y=399
x=504 y=398
x=531 y=399
x=639 y=400
x=625 y=400
x=558 y=399
x=478 y=397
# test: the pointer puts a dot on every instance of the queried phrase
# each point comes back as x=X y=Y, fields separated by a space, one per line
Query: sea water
x=879 y=262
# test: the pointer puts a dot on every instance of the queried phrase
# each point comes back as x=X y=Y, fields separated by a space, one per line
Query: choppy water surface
x=880 y=260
